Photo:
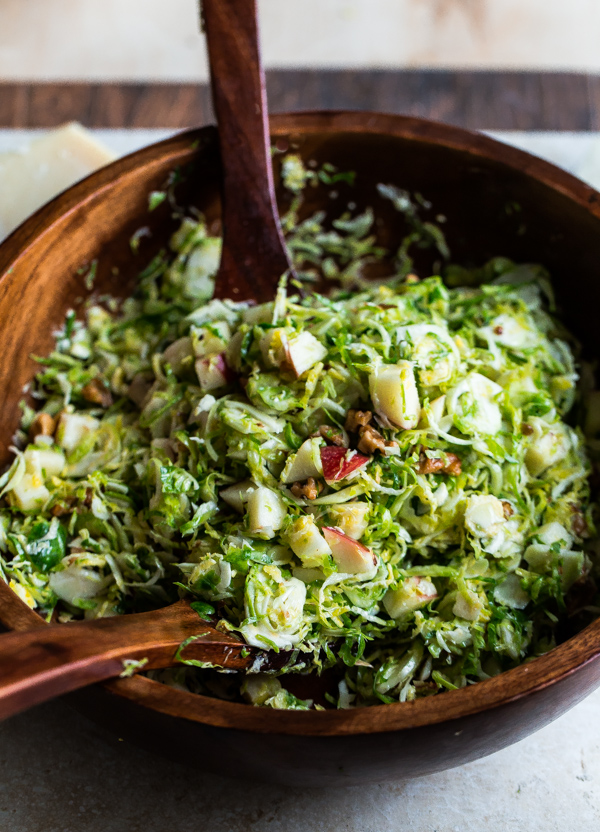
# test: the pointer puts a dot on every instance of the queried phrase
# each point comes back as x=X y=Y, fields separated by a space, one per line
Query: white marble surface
x=159 y=40
x=59 y=774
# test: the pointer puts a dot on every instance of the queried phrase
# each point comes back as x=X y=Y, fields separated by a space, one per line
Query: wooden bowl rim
x=509 y=686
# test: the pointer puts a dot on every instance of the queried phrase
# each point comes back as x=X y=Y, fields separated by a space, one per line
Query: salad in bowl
x=386 y=479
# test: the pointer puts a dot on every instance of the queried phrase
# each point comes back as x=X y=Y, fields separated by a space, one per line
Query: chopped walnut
x=332 y=435
x=425 y=687
x=526 y=429
x=309 y=490
x=97 y=393
x=42 y=425
x=498 y=330
x=370 y=440
x=579 y=524
x=429 y=466
x=65 y=506
x=357 y=418
x=507 y=509
x=451 y=465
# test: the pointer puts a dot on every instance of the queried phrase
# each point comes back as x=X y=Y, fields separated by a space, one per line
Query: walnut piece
x=451 y=465
x=42 y=425
x=579 y=524
x=65 y=506
x=308 y=490
x=526 y=429
x=357 y=418
x=507 y=509
x=370 y=440
x=332 y=435
x=97 y=393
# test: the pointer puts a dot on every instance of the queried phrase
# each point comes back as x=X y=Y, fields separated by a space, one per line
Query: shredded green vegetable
x=384 y=479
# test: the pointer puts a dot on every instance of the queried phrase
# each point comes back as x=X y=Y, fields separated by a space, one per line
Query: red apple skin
x=217 y=366
x=348 y=554
x=228 y=374
x=338 y=463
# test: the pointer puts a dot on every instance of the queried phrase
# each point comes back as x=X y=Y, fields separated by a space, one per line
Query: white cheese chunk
x=52 y=163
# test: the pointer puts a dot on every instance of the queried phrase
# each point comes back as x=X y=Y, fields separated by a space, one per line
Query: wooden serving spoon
x=50 y=660
x=254 y=254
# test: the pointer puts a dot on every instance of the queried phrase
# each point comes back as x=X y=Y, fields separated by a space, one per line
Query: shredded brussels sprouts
x=384 y=479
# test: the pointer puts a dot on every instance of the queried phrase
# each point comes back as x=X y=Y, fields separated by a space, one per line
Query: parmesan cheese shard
x=36 y=174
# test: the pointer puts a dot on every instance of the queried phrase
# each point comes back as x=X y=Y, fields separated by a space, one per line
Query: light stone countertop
x=146 y=40
x=58 y=772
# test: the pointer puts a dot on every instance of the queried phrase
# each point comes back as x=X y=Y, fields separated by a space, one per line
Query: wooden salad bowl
x=498 y=201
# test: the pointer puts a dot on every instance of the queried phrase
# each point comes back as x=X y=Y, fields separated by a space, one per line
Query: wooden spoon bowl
x=498 y=201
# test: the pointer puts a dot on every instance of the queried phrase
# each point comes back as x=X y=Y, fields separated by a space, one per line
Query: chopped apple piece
x=339 y=463
x=176 y=354
x=468 y=605
x=305 y=463
x=412 y=594
x=73 y=428
x=307 y=542
x=273 y=346
x=258 y=687
x=351 y=518
x=30 y=494
x=539 y=554
x=237 y=495
x=44 y=461
x=484 y=516
x=349 y=555
x=304 y=351
x=212 y=371
x=550 y=444
x=212 y=339
x=510 y=593
x=395 y=396
x=434 y=413
x=266 y=511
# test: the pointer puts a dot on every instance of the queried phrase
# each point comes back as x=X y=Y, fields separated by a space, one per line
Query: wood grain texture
x=254 y=256
x=40 y=663
x=476 y=100
x=469 y=178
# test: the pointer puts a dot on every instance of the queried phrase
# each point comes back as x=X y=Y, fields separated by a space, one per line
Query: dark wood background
x=481 y=100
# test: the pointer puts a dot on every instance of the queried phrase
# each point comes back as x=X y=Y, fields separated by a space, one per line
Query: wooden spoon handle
x=254 y=253
x=47 y=661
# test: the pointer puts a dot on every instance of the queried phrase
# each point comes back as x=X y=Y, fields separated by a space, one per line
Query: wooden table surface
x=477 y=100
